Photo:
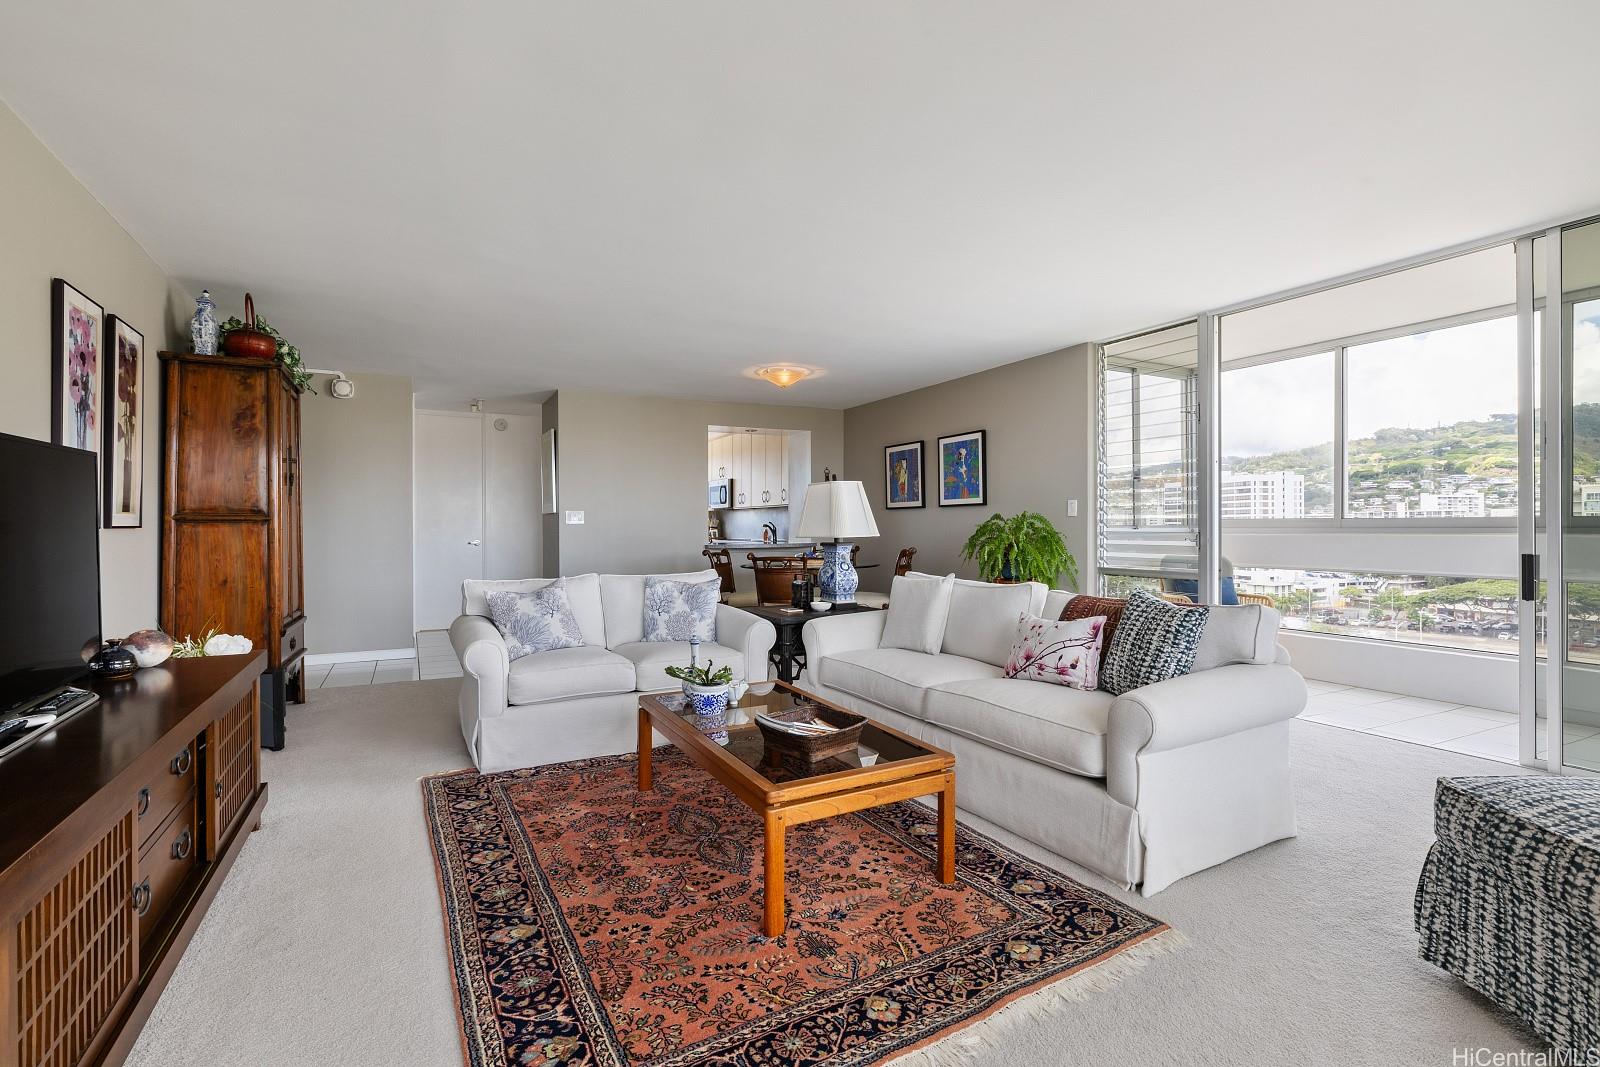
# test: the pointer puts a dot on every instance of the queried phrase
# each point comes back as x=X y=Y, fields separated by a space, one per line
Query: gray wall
x=356 y=477
x=1039 y=415
x=51 y=227
x=636 y=466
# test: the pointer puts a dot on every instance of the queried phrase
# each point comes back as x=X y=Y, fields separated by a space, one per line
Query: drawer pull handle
x=181 y=847
x=181 y=762
x=141 y=898
x=217 y=792
x=144 y=802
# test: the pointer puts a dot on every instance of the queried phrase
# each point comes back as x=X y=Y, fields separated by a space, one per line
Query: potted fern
x=1024 y=548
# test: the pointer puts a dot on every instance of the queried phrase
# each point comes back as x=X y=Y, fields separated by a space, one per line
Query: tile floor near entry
x=434 y=659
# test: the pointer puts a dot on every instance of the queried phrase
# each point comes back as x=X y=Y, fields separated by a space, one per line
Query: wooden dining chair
x=722 y=562
x=775 y=574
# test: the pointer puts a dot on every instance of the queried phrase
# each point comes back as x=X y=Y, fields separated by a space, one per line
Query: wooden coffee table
x=888 y=766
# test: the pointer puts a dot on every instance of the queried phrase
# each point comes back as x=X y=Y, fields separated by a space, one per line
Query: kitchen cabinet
x=775 y=483
x=758 y=464
x=743 y=450
x=720 y=455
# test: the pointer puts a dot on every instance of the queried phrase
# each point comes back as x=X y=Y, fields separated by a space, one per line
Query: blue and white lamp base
x=838 y=578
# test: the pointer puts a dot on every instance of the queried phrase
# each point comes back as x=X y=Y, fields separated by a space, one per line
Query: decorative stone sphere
x=150 y=647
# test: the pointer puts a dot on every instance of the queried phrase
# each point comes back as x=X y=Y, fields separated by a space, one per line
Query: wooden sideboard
x=231 y=526
x=116 y=830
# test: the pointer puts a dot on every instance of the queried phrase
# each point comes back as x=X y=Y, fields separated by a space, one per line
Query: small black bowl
x=113 y=661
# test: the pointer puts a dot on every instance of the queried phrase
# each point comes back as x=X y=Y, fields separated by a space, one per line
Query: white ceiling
x=507 y=197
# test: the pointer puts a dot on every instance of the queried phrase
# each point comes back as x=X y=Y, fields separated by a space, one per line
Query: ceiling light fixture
x=783 y=376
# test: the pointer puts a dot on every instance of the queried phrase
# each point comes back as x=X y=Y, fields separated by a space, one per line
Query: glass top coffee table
x=887 y=766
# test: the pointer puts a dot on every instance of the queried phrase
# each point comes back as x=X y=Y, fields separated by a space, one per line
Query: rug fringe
x=970 y=1044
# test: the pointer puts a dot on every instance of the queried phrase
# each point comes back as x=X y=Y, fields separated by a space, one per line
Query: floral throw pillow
x=1059 y=652
x=681 y=611
x=539 y=621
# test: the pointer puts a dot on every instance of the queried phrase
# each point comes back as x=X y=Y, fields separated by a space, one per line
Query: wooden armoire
x=230 y=536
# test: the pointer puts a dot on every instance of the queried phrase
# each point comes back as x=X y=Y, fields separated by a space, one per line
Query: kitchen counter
x=785 y=545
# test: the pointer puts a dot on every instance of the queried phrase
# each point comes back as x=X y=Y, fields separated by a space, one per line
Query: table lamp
x=836 y=510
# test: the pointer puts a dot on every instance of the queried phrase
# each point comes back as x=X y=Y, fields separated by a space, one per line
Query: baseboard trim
x=321 y=658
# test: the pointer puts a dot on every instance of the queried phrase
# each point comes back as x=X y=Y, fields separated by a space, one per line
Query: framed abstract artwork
x=902 y=476
x=77 y=371
x=122 y=451
x=962 y=477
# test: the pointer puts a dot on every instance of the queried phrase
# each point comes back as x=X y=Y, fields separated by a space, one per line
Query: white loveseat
x=1144 y=788
x=573 y=703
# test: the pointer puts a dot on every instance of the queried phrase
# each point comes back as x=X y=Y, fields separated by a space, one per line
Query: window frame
x=1189 y=384
x=1339 y=346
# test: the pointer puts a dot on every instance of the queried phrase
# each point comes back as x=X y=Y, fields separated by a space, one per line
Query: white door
x=448 y=513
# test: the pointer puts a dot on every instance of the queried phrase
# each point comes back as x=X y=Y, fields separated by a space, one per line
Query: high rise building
x=1273 y=495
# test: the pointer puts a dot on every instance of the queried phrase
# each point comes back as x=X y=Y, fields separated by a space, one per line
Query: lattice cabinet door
x=76 y=954
x=233 y=768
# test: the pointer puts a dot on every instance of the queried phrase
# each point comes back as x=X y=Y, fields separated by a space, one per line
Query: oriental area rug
x=591 y=924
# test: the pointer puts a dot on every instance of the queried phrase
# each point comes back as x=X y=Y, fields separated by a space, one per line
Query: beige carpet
x=325 y=946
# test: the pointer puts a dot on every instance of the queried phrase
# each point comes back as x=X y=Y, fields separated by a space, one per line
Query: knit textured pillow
x=1061 y=653
x=681 y=611
x=1087 y=607
x=539 y=621
x=1154 y=641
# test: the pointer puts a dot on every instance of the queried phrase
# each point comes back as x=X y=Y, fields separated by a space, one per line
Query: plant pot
x=708 y=701
x=249 y=342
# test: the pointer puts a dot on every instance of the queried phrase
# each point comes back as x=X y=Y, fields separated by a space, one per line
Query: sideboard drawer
x=165 y=792
x=293 y=641
x=165 y=861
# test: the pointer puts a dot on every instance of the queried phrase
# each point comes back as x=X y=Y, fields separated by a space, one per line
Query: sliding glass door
x=1572 y=739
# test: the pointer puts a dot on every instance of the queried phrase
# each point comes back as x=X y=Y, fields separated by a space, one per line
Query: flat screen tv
x=49 y=567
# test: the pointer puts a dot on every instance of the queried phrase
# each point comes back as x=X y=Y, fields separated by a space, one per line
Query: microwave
x=719 y=494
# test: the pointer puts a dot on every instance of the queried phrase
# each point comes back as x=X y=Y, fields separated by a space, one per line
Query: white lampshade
x=836 y=510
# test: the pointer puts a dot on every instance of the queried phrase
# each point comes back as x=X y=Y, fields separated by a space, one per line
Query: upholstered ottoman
x=1509 y=899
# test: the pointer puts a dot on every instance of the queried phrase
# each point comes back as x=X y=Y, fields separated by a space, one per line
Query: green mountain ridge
x=1484 y=448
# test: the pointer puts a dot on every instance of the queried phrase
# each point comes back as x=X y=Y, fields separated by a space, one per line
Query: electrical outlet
x=574 y=518
x=1072 y=509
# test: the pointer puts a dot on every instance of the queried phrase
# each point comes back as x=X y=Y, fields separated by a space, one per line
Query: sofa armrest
x=484 y=660
x=829 y=636
x=1192 y=709
x=752 y=635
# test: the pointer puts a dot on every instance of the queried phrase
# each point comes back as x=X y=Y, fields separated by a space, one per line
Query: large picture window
x=1429 y=430
x=1431 y=425
x=1277 y=439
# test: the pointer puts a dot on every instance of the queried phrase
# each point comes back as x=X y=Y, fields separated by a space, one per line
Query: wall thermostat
x=501 y=425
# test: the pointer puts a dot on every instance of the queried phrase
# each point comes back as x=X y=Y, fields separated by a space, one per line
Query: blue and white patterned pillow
x=539 y=621
x=681 y=611
x=1153 y=641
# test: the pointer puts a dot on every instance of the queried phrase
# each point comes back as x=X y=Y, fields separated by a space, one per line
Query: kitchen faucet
x=769 y=528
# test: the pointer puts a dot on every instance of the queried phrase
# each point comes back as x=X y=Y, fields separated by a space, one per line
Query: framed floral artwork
x=76 y=336
x=122 y=451
x=962 y=476
x=903 y=476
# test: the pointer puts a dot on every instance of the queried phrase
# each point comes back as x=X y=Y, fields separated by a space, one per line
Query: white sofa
x=1144 y=788
x=573 y=703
